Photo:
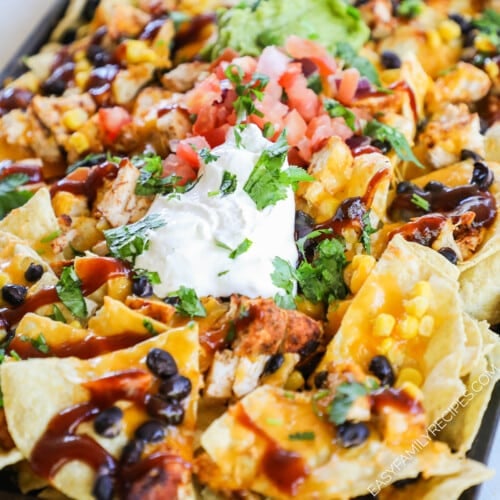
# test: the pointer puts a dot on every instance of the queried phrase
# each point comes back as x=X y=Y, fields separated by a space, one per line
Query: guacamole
x=251 y=26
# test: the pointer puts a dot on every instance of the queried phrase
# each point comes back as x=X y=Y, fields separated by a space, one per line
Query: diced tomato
x=295 y=126
x=319 y=129
x=187 y=149
x=172 y=164
x=204 y=94
x=217 y=136
x=112 y=120
x=246 y=63
x=272 y=62
x=303 y=99
x=304 y=149
x=340 y=128
x=348 y=85
x=300 y=48
x=227 y=55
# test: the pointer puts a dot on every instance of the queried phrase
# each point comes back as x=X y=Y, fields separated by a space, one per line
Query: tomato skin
x=348 y=85
x=112 y=120
x=187 y=150
x=204 y=94
x=173 y=165
x=300 y=48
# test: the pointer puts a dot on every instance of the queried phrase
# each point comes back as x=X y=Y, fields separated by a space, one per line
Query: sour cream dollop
x=188 y=250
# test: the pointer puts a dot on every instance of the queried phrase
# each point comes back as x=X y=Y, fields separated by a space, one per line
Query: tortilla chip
x=440 y=487
x=439 y=358
x=473 y=346
x=237 y=451
x=36 y=390
x=34 y=221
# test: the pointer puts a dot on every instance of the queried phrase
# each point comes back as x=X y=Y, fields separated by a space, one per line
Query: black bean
x=33 y=273
x=142 y=287
x=68 y=36
x=171 y=412
x=320 y=379
x=482 y=176
x=98 y=55
x=176 y=387
x=151 y=431
x=56 y=83
x=468 y=154
x=161 y=363
x=465 y=26
x=132 y=452
x=469 y=38
x=449 y=254
x=109 y=422
x=382 y=369
x=89 y=9
x=434 y=186
x=390 y=60
x=405 y=187
x=384 y=146
x=14 y=294
x=304 y=224
x=273 y=364
x=352 y=433
x=495 y=328
x=103 y=487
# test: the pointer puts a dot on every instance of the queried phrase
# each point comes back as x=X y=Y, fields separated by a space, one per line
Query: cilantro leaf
x=314 y=83
x=268 y=131
x=207 y=156
x=351 y=59
x=69 y=291
x=335 y=109
x=148 y=325
x=188 y=302
x=152 y=276
x=409 y=8
x=301 y=242
x=10 y=196
x=228 y=183
x=302 y=436
x=383 y=132
x=489 y=24
x=151 y=180
x=241 y=248
x=345 y=395
x=40 y=344
x=237 y=131
x=284 y=277
x=57 y=314
x=420 y=202
x=127 y=242
x=366 y=231
x=90 y=160
x=322 y=279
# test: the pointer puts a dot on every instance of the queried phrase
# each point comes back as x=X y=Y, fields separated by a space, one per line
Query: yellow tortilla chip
x=392 y=283
x=31 y=401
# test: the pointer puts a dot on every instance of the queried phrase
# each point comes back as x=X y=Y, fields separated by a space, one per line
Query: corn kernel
x=422 y=289
x=362 y=266
x=449 y=30
x=81 y=78
x=78 y=142
x=386 y=345
x=75 y=324
x=412 y=390
x=295 y=381
x=491 y=68
x=73 y=119
x=83 y=65
x=79 y=55
x=407 y=328
x=409 y=375
x=119 y=288
x=137 y=51
x=426 y=326
x=417 y=306
x=4 y=279
x=316 y=311
x=383 y=325
x=433 y=39
x=484 y=44
x=327 y=208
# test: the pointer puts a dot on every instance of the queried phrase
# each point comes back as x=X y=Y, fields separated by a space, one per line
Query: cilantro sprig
x=351 y=59
x=188 y=303
x=10 y=196
x=228 y=184
x=151 y=180
x=127 y=242
x=69 y=291
x=268 y=183
x=345 y=395
x=335 y=109
x=284 y=277
x=383 y=132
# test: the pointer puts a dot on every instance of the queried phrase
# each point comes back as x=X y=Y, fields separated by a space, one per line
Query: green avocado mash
x=251 y=26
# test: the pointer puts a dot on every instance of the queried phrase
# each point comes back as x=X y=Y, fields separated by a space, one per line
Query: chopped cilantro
x=366 y=230
x=152 y=276
x=223 y=273
x=207 y=156
x=335 y=109
x=241 y=248
x=148 y=325
x=489 y=24
x=409 y=8
x=268 y=130
x=351 y=59
x=237 y=131
x=39 y=343
x=222 y=245
x=127 y=242
x=231 y=333
x=322 y=279
x=420 y=202
x=57 y=314
x=302 y=436
x=89 y=161
x=51 y=237
x=246 y=93
x=345 y=395
x=69 y=291
x=301 y=242
x=314 y=83
x=151 y=180
x=14 y=355
x=228 y=183
x=189 y=304
x=274 y=421
x=383 y=132
x=268 y=183
x=284 y=277
x=10 y=196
